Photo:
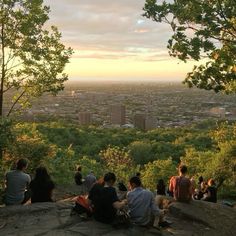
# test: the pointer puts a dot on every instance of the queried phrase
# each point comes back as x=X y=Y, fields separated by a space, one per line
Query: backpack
x=82 y=206
x=182 y=187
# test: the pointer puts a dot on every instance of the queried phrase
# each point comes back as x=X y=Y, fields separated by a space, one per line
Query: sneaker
x=164 y=224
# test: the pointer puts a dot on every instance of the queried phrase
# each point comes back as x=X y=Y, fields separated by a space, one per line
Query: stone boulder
x=194 y=219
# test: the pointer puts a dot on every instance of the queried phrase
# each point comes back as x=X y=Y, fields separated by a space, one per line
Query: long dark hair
x=161 y=187
x=42 y=175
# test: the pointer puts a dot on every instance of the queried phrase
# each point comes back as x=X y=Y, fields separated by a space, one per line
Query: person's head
x=135 y=182
x=138 y=174
x=21 y=164
x=183 y=170
x=79 y=168
x=211 y=182
x=122 y=187
x=109 y=178
x=41 y=173
x=200 y=179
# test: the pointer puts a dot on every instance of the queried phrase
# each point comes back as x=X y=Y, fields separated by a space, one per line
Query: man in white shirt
x=17 y=183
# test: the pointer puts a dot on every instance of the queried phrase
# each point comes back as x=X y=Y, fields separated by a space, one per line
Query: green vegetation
x=201 y=29
x=32 y=58
x=208 y=149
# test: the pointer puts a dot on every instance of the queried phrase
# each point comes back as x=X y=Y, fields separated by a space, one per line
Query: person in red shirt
x=181 y=186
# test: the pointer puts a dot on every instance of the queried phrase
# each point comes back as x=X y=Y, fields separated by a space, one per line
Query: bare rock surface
x=194 y=219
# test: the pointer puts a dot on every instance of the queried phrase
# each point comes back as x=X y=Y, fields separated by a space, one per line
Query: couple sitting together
x=140 y=202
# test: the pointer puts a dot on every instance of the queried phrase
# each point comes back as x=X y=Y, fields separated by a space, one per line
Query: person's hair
x=211 y=182
x=135 y=180
x=138 y=174
x=22 y=163
x=79 y=168
x=183 y=169
x=109 y=177
x=161 y=187
x=42 y=174
x=122 y=187
x=200 y=179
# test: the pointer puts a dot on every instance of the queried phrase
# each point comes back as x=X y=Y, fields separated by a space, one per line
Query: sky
x=113 y=41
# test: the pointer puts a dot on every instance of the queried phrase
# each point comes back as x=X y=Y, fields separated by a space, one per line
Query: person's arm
x=154 y=208
x=118 y=205
x=171 y=185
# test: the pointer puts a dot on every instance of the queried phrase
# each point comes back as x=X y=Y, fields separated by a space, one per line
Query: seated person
x=200 y=191
x=121 y=191
x=181 y=186
x=141 y=203
x=17 y=183
x=161 y=191
x=41 y=186
x=89 y=181
x=211 y=192
x=104 y=200
x=78 y=176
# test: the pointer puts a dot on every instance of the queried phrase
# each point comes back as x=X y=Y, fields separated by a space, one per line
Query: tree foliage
x=201 y=29
x=32 y=58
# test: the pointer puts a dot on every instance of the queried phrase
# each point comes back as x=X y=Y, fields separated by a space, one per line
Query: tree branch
x=16 y=101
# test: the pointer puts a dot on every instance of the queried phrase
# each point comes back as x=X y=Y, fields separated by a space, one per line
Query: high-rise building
x=118 y=114
x=150 y=123
x=85 y=118
x=139 y=121
x=144 y=122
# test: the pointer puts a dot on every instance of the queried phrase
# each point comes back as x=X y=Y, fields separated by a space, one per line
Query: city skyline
x=113 y=41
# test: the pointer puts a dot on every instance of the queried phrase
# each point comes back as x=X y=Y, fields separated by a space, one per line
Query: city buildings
x=117 y=114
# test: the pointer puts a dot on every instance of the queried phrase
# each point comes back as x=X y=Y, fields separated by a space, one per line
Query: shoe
x=164 y=224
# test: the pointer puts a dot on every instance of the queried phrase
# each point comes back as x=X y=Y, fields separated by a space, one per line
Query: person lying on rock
x=104 y=200
x=41 y=186
x=17 y=182
x=181 y=186
x=142 y=207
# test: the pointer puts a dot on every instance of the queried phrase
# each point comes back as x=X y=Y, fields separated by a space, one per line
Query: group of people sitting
x=104 y=199
x=20 y=188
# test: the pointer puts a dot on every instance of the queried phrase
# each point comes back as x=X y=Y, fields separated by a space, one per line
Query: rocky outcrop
x=195 y=219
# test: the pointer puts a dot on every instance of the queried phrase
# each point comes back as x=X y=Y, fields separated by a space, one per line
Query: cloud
x=110 y=29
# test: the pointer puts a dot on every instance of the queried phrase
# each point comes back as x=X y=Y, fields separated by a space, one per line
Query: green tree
x=141 y=152
x=32 y=58
x=119 y=161
x=160 y=169
x=201 y=29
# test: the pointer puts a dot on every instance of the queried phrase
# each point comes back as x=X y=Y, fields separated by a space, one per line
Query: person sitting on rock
x=78 y=176
x=41 y=186
x=89 y=181
x=181 y=186
x=142 y=207
x=161 y=192
x=211 y=192
x=104 y=200
x=17 y=183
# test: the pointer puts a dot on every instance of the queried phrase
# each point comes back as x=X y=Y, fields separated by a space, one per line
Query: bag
x=122 y=220
x=82 y=206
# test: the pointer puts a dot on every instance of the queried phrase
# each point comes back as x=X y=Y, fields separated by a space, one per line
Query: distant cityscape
x=144 y=106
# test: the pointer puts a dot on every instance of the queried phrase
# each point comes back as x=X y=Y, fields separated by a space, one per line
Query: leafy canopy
x=32 y=58
x=201 y=29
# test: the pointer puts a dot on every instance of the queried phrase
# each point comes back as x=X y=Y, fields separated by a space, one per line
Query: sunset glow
x=111 y=40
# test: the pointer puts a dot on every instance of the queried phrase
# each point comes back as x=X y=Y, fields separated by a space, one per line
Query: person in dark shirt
x=41 y=186
x=78 y=176
x=211 y=192
x=104 y=200
x=161 y=187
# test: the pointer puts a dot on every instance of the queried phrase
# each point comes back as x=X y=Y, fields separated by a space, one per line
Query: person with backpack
x=181 y=186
